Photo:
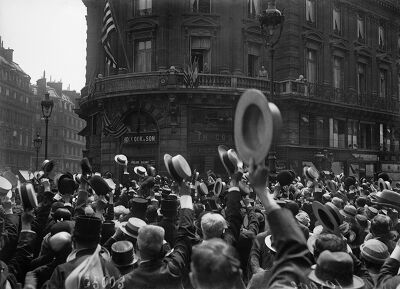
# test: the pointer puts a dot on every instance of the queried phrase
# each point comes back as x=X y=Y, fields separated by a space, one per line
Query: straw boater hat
x=202 y=189
x=121 y=160
x=5 y=186
x=310 y=173
x=12 y=178
x=28 y=196
x=257 y=122
x=140 y=171
x=132 y=226
x=384 y=185
x=218 y=186
x=226 y=161
x=268 y=243
x=332 y=186
x=234 y=158
x=177 y=167
x=387 y=198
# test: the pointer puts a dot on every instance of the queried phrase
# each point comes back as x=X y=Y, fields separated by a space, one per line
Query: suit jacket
x=233 y=216
x=388 y=278
x=260 y=257
x=170 y=230
x=169 y=271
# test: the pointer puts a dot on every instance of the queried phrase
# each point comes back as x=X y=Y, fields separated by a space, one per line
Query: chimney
x=41 y=84
x=57 y=86
x=8 y=54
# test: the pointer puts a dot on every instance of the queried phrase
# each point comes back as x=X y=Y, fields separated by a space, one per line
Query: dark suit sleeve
x=233 y=216
x=254 y=223
x=387 y=276
x=291 y=262
x=255 y=256
x=56 y=281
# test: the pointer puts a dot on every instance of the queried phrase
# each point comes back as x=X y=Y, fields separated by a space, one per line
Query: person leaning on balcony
x=263 y=73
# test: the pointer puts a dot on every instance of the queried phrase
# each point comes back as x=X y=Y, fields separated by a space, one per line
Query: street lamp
x=47 y=108
x=271 y=24
x=37 y=143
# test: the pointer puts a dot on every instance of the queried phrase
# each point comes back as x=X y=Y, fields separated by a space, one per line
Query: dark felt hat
x=122 y=254
x=48 y=166
x=62 y=214
x=107 y=230
x=374 y=251
x=99 y=185
x=384 y=176
x=66 y=184
x=177 y=167
x=63 y=226
x=86 y=167
x=349 y=181
x=387 y=198
x=87 y=228
x=138 y=207
x=349 y=211
x=380 y=225
x=285 y=178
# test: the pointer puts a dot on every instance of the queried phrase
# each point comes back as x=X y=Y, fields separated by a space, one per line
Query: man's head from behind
x=150 y=240
x=329 y=242
x=213 y=225
x=215 y=265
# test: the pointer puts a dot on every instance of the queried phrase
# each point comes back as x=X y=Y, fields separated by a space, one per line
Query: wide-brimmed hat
x=5 y=186
x=349 y=181
x=26 y=175
x=387 y=198
x=202 y=188
x=285 y=178
x=140 y=171
x=229 y=166
x=335 y=269
x=132 y=226
x=177 y=167
x=87 y=228
x=66 y=184
x=218 y=186
x=11 y=177
x=384 y=185
x=110 y=183
x=332 y=186
x=99 y=185
x=234 y=158
x=311 y=173
x=28 y=196
x=257 y=122
x=121 y=160
x=268 y=243
x=374 y=251
x=122 y=254
x=328 y=215
x=48 y=166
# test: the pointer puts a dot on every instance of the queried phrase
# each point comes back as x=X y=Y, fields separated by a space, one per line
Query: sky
x=47 y=35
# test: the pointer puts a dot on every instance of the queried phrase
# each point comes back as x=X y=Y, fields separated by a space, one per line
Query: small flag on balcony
x=115 y=128
x=108 y=28
x=190 y=74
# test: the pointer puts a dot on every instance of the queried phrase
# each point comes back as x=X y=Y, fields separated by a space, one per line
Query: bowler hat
x=5 y=186
x=122 y=254
x=66 y=184
x=310 y=173
x=132 y=226
x=121 y=160
x=285 y=178
x=335 y=269
x=229 y=166
x=374 y=251
x=177 y=167
x=28 y=196
x=99 y=185
x=138 y=207
x=140 y=171
x=87 y=228
x=257 y=122
x=387 y=198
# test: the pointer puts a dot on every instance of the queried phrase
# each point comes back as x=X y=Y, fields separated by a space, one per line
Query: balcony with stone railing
x=164 y=81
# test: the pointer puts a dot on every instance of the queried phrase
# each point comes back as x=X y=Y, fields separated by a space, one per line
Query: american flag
x=108 y=27
x=116 y=128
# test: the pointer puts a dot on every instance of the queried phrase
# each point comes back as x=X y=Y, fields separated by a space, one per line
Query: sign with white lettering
x=141 y=138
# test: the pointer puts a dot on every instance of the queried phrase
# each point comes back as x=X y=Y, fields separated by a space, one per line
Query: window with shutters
x=200 y=6
x=143 y=53
x=200 y=53
x=310 y=11
x=336 y=17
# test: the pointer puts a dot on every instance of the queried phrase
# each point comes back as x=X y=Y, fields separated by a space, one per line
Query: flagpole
x=120 y=36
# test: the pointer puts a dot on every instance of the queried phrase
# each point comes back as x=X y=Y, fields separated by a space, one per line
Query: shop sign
x=141 y=138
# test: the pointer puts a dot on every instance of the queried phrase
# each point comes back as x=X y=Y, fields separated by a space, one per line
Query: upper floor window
x=337 y=28
x=361 y=79
x=381 y=37
x=360 y=28
x=143 y=56
x=200 y=6
x=398 y=43
x=253 y=8
x=337 y=72
x=311 y=65
x=382 y=83
x=398 y=85
x=310 y=11
x=200 y=53
x=143 y=7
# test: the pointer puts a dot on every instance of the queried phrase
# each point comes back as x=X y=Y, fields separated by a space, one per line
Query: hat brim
x=384 y=203
x=325 y=217
x=134 y=261
x=28 y=196
x=268 y=243
x=123 y=229
x=358 y=283
x=136 y=170
x=119 y=160
x=218 y=187
x=253 y=111
x=223 y=156
x=181 y=167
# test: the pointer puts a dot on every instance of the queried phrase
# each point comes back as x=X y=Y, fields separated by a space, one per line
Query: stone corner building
x=345 y=116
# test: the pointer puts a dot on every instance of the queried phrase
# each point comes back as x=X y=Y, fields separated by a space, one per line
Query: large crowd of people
x=248 y=228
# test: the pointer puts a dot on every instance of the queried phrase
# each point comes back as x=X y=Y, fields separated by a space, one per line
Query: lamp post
x=47 y=108
x=271 y=24
x=37 y=143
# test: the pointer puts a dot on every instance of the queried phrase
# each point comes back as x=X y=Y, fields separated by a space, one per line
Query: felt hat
x=168 y=206
x=349 y=181
x=332 y=186
x=218 y=186
x=62 y=214
x=87 y=228
x=384 y=185
x=387 y=198
x=362 y=221
x=177 y=167
x=374 y=251
x=121 y=160
x=63 y=226
x=107 y=230
x=384 y=176
x=122 y=254
x=132 y=226
x=99 y=185
x=268 y=243
x=140 y=171
x=335 y=269
x=371 y=212
x=257 y=122
x=328 y=215
x=202 y=188
x=310 y=173
x=66 y=184
x=11 y=177
x=5 y=186
x=48 y=166
x=229 y=166
x=28 y=196
x=380 y=226
x=138 y=207
x=303 y=218
x=349 y=211
x=151 y=171
x=285 y=178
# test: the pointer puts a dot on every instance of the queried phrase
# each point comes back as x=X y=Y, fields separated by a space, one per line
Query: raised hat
x=99 y=185
x=226 y=161
x=349 y=211
x=384 y=176
x=48 y=166
x=349 y=181
x=285 y=178
x=151 y=171
x=66 y=184
x=11 y=177
x=335 y=269
x=140 y=171
x=28 y=196
x=121 y=160
x=5 y=186
x=87 y=228
x=132 y=226
x=257 y=122
x=110 y=183
x=328 y=215
x=202 y=188
x=374 y=251
x=332 y=186
x=268 y=243
x=218 y=186
x=122 y=254
x=177 y=167
x=387 y=198
x=384 y=185
x=234 y=158
x=310 y=173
